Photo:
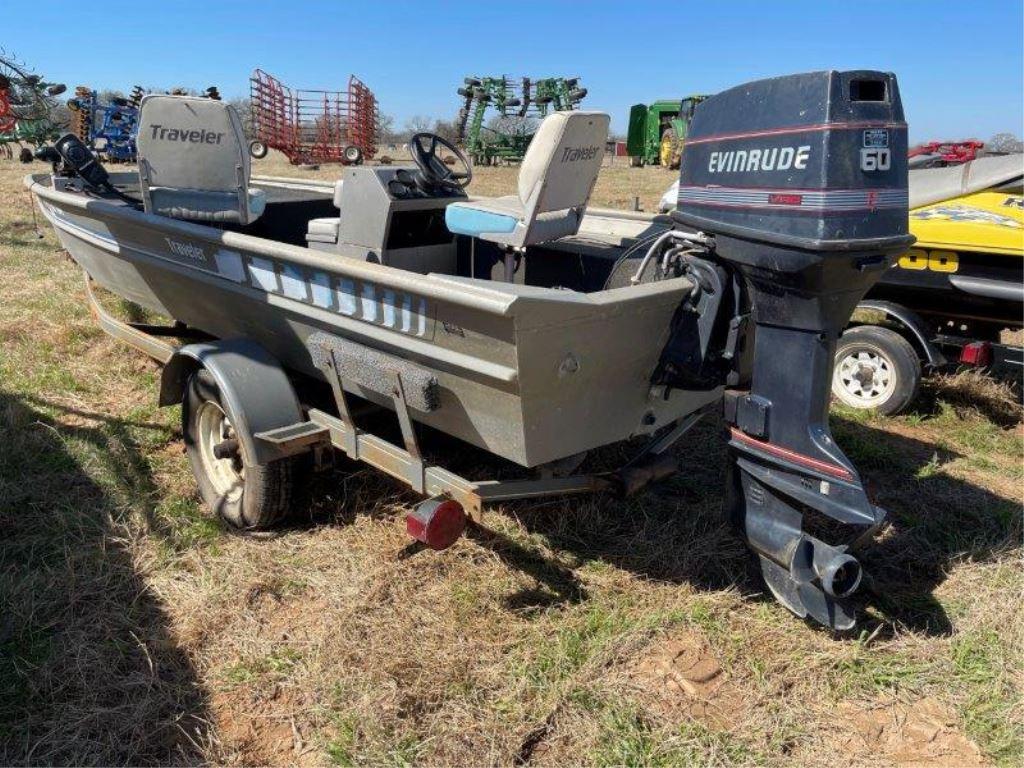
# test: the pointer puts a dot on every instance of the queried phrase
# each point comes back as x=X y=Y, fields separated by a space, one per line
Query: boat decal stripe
x=406 y=313
x=389 y=309
x=263 y=274
x=368 y=303
x=393 y=309
x=320 y=288
x=346 y=296
x=229 y=265
x=782 y=199
x=791 y=129
x=798 y=458
x=293 y=283
x=421 y=319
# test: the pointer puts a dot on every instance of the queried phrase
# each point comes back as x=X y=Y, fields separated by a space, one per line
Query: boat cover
x=933 y=185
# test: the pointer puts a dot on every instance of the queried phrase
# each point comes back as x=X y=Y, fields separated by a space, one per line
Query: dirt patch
x=920 y=734
x=257 y=727
x=682 y=677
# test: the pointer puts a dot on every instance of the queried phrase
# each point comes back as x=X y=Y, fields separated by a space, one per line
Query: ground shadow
x=89 y=670
x=676 y=532
x=935 y=521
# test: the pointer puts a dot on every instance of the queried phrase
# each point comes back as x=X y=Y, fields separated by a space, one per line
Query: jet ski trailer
x=526 y=325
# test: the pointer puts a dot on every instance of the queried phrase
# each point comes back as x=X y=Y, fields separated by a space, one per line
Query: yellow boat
x=968 y=263
x=948 y=300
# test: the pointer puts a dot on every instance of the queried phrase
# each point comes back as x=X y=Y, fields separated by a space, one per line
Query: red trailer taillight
x=438 y=523
x=977 y=353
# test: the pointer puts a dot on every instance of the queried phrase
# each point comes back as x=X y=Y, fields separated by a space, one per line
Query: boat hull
x=531 y=374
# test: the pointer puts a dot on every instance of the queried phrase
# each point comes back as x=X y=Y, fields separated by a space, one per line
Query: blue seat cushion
x=466 y=219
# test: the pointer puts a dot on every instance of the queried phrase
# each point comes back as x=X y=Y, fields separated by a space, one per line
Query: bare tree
x=513 y=125
x=417 y=124
x=244 y=108
x=446 y=129
x=107 y=96
x=1004 y=143
x=386 y=129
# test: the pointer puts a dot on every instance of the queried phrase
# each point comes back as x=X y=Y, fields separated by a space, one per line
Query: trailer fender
x=252 y=382
x=916 y=327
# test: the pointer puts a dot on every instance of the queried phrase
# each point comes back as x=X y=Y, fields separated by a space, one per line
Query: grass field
x=135 y=629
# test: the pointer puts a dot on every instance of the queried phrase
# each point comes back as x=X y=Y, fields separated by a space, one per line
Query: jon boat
x=530 y=325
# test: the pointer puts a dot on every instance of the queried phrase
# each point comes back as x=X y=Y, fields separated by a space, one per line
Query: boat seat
x=325 y=230
x=556 y=178
x=194 y=161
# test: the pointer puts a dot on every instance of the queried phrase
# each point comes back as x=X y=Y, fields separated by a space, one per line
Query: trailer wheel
x=875 y=368
x=257 y=149
x=635 y=161
x=353 y=155
x=244 y=494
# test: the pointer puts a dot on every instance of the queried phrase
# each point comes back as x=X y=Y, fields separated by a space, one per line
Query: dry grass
x=136 y=630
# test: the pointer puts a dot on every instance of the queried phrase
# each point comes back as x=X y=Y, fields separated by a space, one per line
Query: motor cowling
x=802 y=182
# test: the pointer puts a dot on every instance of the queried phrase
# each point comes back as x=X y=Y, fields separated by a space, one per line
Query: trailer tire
x=244 y=494
x=257 y=149
x=353 y=155
x=635 y=161
x=875 y=368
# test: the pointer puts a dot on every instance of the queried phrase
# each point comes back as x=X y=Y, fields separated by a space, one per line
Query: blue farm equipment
x=108 y=128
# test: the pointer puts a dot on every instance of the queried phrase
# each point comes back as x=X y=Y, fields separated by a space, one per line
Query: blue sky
x=959 y=63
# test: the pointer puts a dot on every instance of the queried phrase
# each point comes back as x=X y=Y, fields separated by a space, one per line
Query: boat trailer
x=319 y=432
x=792 y=202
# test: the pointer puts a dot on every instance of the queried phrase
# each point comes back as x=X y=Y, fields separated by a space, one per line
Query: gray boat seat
x=325 y=229
x=556 y=178
x=193 y=161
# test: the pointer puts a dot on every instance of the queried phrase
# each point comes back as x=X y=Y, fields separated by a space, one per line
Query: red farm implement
x=940 y=153
x=313 y=126
x=28 y=116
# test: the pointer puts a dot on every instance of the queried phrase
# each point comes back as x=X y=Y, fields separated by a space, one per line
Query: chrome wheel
x=217 y=439
x=864 y=379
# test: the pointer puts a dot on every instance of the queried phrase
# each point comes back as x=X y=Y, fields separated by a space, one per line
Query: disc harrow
x=519 y=103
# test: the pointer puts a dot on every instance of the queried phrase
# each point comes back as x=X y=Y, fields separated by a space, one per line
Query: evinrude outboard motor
x=802 y=183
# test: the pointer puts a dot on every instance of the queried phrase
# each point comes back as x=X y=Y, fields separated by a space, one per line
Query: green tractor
x=657 y=131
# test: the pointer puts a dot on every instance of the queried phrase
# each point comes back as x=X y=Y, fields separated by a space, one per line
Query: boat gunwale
x=453 y=289
x=473 y=296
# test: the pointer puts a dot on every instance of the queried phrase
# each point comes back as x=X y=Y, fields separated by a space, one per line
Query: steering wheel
x=423 y=147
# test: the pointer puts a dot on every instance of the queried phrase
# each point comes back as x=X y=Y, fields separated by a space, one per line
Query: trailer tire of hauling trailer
x=875 y=368
x=257 y=149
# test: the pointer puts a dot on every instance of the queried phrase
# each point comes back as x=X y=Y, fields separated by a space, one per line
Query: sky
x=960 y=64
